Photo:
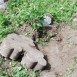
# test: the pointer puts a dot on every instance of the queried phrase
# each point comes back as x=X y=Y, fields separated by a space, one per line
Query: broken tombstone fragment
x=14 y=45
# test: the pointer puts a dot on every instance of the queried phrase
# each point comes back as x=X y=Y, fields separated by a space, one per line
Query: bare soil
x=62 y=53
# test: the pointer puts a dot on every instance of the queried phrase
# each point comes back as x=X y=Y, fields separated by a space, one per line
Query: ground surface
x=61 y=51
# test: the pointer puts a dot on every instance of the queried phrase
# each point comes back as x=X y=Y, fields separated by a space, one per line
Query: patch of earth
x=62 y=53
x=25 y=29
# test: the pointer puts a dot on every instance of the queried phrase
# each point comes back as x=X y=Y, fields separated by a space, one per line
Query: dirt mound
x=62 y=53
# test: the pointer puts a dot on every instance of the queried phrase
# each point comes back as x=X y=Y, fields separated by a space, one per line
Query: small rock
x=47 y=21
x=2 y=5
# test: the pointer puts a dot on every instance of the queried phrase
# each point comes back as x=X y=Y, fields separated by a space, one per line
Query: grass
x=16 y=70
x=31 y=11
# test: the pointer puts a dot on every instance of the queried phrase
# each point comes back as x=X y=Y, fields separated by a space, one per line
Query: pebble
x=2 y=5
x=47 y=21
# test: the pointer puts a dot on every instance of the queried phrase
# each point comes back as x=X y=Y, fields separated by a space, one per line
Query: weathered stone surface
x=2 y=5
x=47 y=20
x=13 y=45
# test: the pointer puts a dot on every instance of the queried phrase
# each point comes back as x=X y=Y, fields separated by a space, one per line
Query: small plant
x=1 y=60
x=45 y=39
x=23 y=72
x=16 y=70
